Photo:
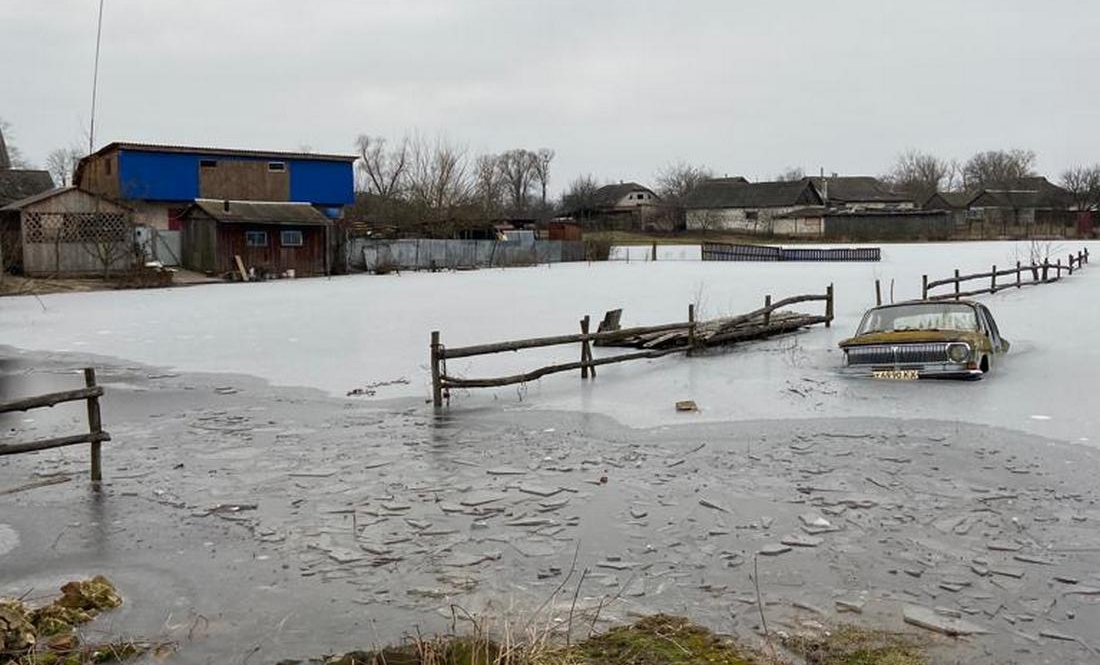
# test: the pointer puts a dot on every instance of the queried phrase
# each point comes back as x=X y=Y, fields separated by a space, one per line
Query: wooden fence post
x=767 y=310
x=829 y=306
x=1058 y=266
x=924 y=287
x=878 y=293
x=586 y=349
x=691 y=328
x=1046 y=268
x=654 y=250
x=95 y=426
x=1071 y=263
x=437 y=379
x=956 y=283
x=993 y=280
x=1017 y=274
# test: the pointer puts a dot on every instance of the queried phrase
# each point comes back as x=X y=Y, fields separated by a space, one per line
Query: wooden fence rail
x=1039 y=273
x=94 y=436
x=442 y=382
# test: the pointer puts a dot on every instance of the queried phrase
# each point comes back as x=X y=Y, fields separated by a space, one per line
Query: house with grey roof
x=15 y=184
x=860 y=192
x=625 y=205
x=734 y=204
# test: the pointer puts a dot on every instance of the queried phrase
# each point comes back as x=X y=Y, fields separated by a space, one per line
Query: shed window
x=290 y=238
x=208 y=163
x=255 y=238
x=276 y=166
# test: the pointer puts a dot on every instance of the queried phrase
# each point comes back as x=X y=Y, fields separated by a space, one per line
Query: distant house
x=953 y=201
x=67 y=232
x=855 y=193
x=1022 y=202
x=15 y=184
x=627 y=205
x=271 y=238
x=734 y=204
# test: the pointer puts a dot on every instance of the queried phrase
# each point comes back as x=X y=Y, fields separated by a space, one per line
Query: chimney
x=225 y=205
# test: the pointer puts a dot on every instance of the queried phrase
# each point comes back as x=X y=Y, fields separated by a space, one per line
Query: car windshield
x=924 y=316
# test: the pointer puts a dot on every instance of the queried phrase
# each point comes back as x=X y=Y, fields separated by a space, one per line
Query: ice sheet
x=349 y=332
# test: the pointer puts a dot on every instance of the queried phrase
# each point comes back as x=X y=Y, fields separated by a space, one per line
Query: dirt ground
x=254 y=523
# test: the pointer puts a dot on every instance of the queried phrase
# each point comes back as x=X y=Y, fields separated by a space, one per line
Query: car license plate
x=896 y=374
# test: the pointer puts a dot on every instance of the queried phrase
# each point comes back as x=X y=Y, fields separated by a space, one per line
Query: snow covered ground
x=349 y=332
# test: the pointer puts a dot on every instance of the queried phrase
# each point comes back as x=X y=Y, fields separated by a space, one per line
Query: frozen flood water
x=372 y=332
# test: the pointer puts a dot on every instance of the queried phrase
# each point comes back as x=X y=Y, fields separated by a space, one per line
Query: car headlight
x=958 y=353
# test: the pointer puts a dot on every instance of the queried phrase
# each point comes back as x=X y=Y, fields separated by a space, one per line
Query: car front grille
x=898 y=354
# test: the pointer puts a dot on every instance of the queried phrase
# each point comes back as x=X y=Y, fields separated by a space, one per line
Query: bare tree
x=791 y=174
x=581 y=194
x=10 y=155
x=1083 y=182
x=920 y=174
x=675 y=181
x=384 y=169
x=997 y=167
x=61 y=163
x=543 y=157
x=518 y=169
x=488 y=185
x=439 y=181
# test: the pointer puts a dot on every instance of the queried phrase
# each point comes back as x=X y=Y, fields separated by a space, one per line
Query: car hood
x=915 y=337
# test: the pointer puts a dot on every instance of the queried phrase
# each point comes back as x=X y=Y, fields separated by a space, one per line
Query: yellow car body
x=925 y=340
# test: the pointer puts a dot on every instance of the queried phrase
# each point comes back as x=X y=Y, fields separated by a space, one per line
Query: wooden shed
x=271 y=238
x=68 y=232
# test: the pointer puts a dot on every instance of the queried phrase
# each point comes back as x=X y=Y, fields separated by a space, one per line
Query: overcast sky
x=616 y=88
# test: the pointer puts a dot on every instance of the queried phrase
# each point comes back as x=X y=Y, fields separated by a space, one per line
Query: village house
x=1023 y=203
x=734 y=204
x=160 y=182
x=626 y=205
x=15 y=184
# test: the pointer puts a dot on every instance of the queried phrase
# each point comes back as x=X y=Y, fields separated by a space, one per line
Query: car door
x=999 y=344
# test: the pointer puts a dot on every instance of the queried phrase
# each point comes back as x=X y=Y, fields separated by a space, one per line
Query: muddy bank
x=282 y=522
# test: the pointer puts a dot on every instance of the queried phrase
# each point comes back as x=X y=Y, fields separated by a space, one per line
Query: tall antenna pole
x=95 y=78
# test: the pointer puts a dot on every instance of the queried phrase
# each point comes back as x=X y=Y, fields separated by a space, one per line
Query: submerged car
x=925 y=340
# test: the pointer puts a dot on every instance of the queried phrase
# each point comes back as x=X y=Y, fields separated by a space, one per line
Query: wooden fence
x=95 y=434
x=1039 y=273
x=720 y=251
x=687 y=342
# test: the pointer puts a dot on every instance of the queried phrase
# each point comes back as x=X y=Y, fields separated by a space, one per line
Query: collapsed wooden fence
x=94 y=436
x=1039 y=273
x=656 y=341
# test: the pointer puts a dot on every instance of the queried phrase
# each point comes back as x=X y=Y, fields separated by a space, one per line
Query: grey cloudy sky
x=617 y=88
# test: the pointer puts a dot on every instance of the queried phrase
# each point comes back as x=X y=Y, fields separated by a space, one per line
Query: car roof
x=907 y=303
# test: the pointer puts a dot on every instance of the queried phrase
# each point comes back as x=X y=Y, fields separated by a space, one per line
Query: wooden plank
x=455 y=382
x=240 y=267
x=95 y=425
x=51 y=399
x=536 y=342
x=58 y=442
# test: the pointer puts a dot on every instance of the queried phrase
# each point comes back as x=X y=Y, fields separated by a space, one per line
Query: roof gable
x=609 y=195
x=855 y=189
x=17 y=184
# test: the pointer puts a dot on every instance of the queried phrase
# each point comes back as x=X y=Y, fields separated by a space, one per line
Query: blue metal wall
x=170 y=176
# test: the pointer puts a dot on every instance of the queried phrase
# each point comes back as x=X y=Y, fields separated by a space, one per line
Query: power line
x=95 y=78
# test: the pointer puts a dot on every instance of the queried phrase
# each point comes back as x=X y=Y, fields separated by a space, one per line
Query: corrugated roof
x=236 y=152
x=17 y=184
x=261 y=212
x=50 y=193
x=735 y=193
